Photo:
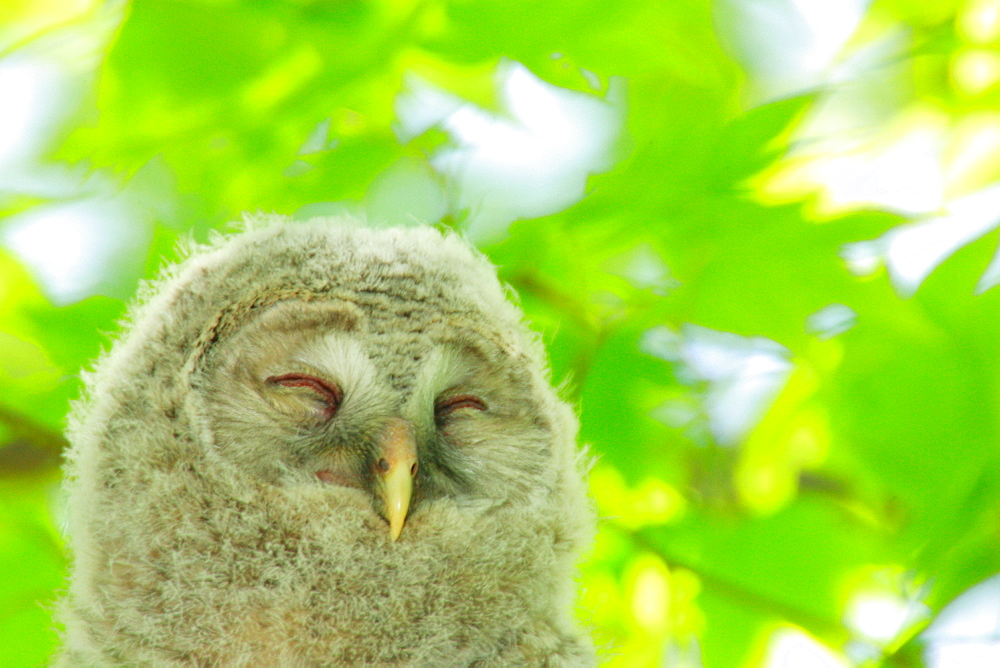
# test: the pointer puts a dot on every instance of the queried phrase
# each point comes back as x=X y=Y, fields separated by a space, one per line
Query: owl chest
x=295 y=595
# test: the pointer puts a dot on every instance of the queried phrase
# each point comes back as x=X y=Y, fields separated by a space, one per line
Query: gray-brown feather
x=199 y=531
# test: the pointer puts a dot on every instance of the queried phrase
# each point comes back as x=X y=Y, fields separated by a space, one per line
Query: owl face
x=379 y=404
x=321 y=444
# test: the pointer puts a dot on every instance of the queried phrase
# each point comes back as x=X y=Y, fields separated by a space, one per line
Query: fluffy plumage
x=224 y=480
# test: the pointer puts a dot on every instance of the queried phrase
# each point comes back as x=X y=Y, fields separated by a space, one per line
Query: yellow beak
x=395 y=470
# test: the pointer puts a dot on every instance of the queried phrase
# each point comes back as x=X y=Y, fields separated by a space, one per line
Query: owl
x=319 y=443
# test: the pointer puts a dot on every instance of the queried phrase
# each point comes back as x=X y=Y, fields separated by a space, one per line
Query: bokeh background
x=759 y=238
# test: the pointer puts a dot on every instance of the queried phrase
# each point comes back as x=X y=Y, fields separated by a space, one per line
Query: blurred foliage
x=871 y=467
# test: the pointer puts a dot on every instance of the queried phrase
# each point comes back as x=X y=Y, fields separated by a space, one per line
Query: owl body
x=323 y=444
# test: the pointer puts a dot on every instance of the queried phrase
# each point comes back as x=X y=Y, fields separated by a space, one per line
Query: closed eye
x=444 y=409
x=327 y=393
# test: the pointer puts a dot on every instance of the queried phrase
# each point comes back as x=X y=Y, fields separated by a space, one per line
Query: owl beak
x=395 y=471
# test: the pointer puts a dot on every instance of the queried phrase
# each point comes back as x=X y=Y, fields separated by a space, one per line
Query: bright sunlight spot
x=743 y=375
x=832 y=320
x=740 y=376
x=967 y=632
x=913 y=251
x=28 y=89
x=791 y=648
x=881 y=617
x=902 y=173
x=980 y=21
x=976 y=70
x=650 y=594
x=70 y=246
x=788 y=46
x=974 y=153
x=532 y=158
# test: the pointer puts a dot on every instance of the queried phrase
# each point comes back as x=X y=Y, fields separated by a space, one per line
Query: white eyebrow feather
x=443 y=368
x=342 y=358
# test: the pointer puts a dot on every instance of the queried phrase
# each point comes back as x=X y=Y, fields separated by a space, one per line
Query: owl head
x=329 y=432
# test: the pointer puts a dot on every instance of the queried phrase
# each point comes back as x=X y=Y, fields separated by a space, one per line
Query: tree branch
x=822 y=626
x=31 y=446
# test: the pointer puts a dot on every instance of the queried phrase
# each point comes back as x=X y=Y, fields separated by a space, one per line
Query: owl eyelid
x=330 y=393
x=444 y=408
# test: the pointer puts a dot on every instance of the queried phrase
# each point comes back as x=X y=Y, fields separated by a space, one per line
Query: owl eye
x=328 y=394
x=445 y=408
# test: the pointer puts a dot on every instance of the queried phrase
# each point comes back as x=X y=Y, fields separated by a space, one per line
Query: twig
x=31 y=446
x=752 y=599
